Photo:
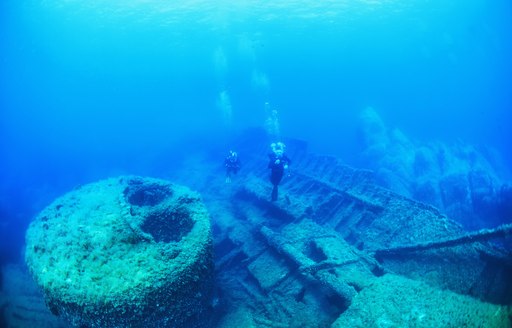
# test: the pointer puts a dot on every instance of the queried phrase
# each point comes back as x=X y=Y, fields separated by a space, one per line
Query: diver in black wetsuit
x=232 y=164
x=278 y=163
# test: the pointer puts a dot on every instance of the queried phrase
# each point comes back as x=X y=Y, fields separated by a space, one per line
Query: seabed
x=335 y=250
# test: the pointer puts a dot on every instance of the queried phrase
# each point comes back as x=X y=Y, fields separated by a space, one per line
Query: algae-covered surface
x=136 y=252
x=395 y=301
x=126 y=248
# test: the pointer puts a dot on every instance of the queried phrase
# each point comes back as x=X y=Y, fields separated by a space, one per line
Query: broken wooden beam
x=308 y=267
x=501 y=231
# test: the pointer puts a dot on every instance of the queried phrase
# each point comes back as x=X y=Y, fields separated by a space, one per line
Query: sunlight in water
x=212 y=11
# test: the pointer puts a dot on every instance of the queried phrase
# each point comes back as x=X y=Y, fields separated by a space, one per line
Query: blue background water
x=91 y=89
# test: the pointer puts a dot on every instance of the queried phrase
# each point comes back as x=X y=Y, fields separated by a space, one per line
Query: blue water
x=90 y=89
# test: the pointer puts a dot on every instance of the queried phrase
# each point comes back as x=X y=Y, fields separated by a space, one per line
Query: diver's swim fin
x=274 y=194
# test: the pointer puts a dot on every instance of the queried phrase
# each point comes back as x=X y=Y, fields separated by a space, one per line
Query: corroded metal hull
x=302 y=261
x=336 y=250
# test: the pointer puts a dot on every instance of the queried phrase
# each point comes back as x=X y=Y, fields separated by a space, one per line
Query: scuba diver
x=278 y=163
x=232 y=164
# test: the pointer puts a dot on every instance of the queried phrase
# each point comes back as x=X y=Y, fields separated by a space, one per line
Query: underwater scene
x=231 y=164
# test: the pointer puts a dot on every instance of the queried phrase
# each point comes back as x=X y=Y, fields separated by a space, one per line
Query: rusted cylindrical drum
x=124 y=252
